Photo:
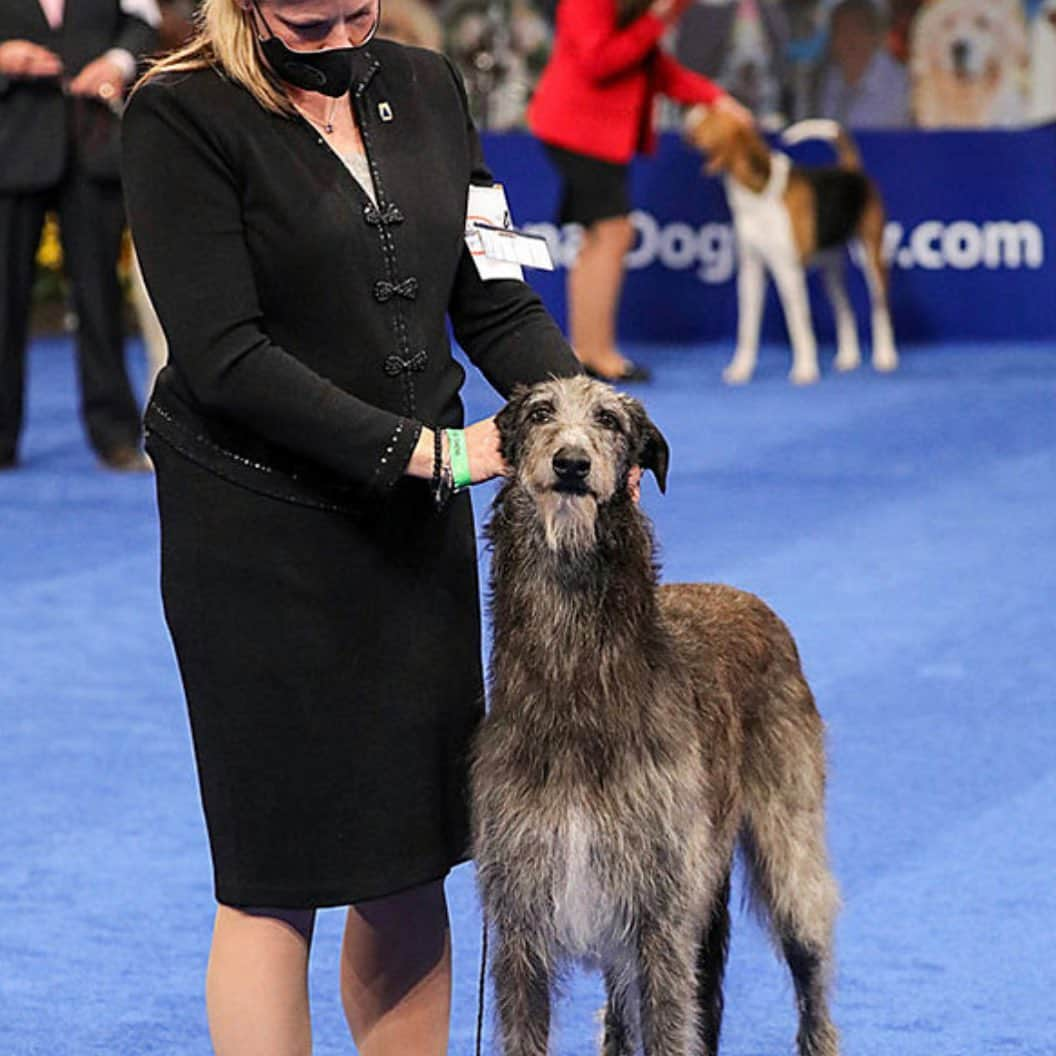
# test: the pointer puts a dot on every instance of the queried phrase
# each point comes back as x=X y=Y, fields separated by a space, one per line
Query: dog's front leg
x=792 y=288
x=522 y=973
x=751 y=286
x=667 y=989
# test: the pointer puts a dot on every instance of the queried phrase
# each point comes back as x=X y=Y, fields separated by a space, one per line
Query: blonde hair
x=225 y=39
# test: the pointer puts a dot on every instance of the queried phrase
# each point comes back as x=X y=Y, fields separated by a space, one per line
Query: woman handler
x=593 y=109
x=297 y=194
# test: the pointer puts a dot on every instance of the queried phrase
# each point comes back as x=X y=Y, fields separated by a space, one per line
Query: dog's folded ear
x=655 y=454
x=649 y=448
x=507 y=422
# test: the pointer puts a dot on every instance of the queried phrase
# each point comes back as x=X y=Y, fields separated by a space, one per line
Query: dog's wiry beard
x=569 y=521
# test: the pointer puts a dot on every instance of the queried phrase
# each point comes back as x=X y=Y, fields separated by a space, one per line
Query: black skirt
x=591 y=189
x=331 y=664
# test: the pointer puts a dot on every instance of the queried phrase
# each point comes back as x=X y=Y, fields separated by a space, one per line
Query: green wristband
x=456 y=445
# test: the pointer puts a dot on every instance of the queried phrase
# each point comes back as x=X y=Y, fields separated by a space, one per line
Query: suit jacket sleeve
x=184 y=204
x=682 y=85
x=502 y=324
x=135 y=35
x=602 y=49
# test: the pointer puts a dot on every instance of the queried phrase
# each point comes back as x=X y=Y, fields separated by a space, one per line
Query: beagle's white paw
x=738 y=372
x=807 y=375
x=885 y=360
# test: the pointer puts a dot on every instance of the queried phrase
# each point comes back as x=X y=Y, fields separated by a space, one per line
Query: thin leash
x=480 y=983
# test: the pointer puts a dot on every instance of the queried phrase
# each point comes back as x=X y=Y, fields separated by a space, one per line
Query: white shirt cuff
x=124 y=61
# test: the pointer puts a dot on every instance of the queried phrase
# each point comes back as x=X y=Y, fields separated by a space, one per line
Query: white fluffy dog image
x=968 y=62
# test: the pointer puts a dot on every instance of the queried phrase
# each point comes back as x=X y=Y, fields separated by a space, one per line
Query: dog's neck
x=598 y=602
x=752 y=166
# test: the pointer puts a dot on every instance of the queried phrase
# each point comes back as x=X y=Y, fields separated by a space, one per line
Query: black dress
x=324 y=616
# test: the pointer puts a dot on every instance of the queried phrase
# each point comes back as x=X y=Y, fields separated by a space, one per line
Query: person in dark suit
x=299 y=208
x=64 y=66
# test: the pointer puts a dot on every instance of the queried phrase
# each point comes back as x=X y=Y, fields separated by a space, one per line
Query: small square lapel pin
x=384 y=111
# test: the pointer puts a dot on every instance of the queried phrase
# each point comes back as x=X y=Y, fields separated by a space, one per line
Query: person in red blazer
x=593 y=111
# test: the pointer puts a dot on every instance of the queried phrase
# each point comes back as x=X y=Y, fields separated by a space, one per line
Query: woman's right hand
x=485 y=456
x=482 y=448
x=669 y=10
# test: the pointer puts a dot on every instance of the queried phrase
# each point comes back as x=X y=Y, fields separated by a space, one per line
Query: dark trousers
x=91 y=218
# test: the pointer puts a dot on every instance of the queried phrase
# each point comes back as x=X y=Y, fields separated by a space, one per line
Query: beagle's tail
x=832 y=132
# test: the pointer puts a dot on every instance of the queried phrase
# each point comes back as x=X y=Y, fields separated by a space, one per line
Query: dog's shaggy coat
x=636 y=735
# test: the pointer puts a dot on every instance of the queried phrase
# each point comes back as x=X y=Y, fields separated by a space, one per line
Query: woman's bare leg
x=594 y=284
x=256 y=985
x=396 y=973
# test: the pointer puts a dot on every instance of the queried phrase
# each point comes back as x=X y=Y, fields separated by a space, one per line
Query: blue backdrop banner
x=971 y=235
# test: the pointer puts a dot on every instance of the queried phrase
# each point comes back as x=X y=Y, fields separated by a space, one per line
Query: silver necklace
x=328 y=125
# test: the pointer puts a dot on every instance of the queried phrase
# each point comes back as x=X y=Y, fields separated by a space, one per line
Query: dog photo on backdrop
x=786 y=216
x=968 y=62
x=637 y=735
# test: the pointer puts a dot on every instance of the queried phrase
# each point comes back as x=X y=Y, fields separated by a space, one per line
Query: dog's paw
x=738 y=373
x=885 y=361
x=804 y=375
x=847 y=361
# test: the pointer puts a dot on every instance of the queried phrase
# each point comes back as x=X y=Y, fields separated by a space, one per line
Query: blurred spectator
x=501 y=47
x=969 y=63
x=411 y=22
x=177 y=23
x=64 y=65
x=741 y=44
x=902 y=14
x=808 y=39
x=1043 y=63
x=862 y=85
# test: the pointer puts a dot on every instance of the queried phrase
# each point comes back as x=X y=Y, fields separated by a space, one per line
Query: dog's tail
x=832 y=132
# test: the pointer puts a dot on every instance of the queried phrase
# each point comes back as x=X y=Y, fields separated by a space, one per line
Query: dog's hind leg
x=666 y=984
x=620 y=1027
x=848 y=352
x=784 y=846
x=871 y=233
x=711 y=967
x=522 y=976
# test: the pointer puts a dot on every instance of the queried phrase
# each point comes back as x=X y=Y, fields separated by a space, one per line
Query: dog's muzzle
x=571 y=467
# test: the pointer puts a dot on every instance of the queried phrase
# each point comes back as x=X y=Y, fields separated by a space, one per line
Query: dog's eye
x=607 y=420
x=541 y=414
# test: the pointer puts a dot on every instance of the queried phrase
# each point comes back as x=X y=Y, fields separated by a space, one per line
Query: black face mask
x=328 y=71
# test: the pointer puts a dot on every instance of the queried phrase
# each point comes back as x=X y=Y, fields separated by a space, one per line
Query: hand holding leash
x=669 y=10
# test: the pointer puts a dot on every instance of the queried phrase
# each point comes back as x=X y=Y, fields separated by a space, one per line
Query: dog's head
x=970 y=40
x=729 y=144
x=571 y=444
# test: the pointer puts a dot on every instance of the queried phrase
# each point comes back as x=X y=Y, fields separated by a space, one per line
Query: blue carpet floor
x=903 y=526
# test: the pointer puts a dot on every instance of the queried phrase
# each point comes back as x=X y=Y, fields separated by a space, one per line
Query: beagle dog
x=785 y=216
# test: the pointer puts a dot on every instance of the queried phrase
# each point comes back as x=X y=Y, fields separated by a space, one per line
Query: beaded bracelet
x=441 y=485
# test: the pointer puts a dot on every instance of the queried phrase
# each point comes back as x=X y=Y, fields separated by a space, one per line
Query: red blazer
x=596 y=95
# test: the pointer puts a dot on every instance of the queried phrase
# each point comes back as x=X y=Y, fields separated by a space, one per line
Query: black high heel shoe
x=632 y=372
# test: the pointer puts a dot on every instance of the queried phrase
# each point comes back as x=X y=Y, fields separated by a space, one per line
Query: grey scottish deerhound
x=637 y=735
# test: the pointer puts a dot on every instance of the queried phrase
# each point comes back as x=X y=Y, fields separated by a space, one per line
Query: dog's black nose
x=571 y=464
x=961 y=50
